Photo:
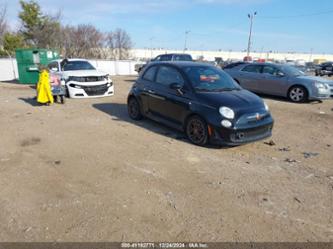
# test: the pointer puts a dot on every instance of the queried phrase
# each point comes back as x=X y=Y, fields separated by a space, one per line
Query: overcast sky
x=281 y=25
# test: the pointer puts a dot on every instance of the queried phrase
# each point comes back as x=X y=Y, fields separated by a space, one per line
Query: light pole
x=251 y=16
x=185 y=43
x=151 y=46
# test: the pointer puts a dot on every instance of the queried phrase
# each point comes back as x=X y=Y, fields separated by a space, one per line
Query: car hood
x=238 y=100
x=315 y=78
x=83 y=73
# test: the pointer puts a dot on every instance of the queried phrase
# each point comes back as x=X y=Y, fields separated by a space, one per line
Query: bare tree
x=49 y=33
x=109 y=46
x=82 y=41
x=122 y=44
x=3 y=23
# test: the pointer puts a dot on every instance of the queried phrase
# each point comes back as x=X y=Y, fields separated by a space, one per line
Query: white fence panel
x=8 y=69
x=115 y=67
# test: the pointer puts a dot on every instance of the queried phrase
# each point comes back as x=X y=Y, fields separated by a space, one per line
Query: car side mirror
x=280 y=74
x=177 y=87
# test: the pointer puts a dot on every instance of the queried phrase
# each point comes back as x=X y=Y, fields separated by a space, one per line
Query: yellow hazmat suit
x=44 y=93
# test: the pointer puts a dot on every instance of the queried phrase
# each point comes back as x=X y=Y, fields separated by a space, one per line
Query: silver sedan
x=281 y=80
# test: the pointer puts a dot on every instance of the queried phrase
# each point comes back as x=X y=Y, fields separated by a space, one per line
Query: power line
x=299 y=15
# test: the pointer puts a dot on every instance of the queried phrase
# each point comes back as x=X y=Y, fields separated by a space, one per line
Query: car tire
x=196 y=130
x=67 y=92
x=134 y=109
x=298 y=94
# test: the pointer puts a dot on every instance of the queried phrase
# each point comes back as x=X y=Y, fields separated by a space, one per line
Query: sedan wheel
x=298 y=94
x=133 y=108
x=196 y=130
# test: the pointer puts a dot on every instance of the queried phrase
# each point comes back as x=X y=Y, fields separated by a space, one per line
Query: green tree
x=11 y=41
x=39 y=30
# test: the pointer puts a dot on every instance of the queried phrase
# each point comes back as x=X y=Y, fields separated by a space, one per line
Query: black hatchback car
x=201 y=100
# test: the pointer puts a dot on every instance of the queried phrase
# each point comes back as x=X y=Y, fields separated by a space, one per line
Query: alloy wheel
x=297 y=94
x=196 y=131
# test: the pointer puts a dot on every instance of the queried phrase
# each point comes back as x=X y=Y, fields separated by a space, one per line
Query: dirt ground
x=84 y=171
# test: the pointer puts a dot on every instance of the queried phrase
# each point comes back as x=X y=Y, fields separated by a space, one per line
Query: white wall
x=8 y=68
x=210 y=55
x=115 y=67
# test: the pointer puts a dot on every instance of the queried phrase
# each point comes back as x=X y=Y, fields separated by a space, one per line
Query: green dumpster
x=28 y=61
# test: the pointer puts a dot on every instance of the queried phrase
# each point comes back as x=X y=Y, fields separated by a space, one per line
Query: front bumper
x=238 y=137
x=321 y=94
x=94 y=90
x=241 y=132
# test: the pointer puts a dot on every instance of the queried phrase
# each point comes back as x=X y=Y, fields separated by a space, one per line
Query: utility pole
x=151 y=46
x=185 y=44
x=311 y=53
x=251 y=17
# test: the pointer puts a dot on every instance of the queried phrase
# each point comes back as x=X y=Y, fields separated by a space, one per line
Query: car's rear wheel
x=298 y=94
x=196 y=130
x=134 y=110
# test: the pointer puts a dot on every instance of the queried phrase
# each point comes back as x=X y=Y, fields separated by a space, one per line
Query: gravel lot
x=84 y=171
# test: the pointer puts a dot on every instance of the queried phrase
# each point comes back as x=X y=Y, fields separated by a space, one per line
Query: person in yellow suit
x=44 y=93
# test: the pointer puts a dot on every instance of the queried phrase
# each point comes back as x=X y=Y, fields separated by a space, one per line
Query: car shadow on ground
x=118 y=112
x=284 y=99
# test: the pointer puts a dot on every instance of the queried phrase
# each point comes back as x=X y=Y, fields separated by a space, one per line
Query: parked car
x=201 y=100
x=165 y=57
x=233 y=64
x=81 y=79
x=325 y=68
x=281 y=80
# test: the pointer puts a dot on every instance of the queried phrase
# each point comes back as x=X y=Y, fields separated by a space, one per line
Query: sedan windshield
x=291 y=71
x=210 y=79
x=77 y=65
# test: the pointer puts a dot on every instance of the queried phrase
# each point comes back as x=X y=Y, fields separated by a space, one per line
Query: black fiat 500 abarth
x=201 y=100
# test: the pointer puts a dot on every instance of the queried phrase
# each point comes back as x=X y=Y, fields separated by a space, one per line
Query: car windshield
x=77 y=65
x=210 y=79
x=291 y=71
x=182 y=57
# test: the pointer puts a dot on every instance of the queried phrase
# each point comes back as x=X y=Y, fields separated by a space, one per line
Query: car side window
x=166 y=57
x=168 y=75
x=270 y=70
x=252 y=69
x=53 y=66
x=150 y=74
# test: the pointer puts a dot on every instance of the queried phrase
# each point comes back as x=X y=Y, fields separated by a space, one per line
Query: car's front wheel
x=134 y=110
x=298 y=94
x=196 y=130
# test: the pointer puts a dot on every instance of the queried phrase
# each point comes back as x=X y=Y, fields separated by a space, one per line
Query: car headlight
x=320 y=85
x=227 y=112
x=108 y=78
x=266 y=106
x=75 y=86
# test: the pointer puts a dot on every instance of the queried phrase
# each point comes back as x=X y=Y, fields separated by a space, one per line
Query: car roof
x=174 y=54
x=71 y=59
x=181 y=64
